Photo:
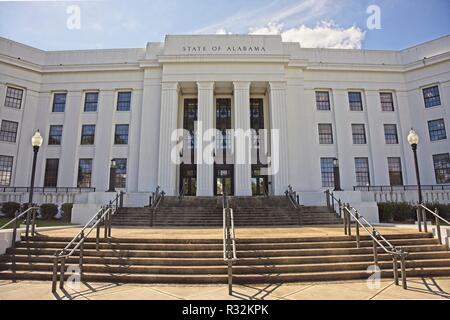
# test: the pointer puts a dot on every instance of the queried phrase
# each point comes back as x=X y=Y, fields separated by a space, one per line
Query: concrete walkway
x=419 y=288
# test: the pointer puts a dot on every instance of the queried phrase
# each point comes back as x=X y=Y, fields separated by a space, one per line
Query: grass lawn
x=39 y=223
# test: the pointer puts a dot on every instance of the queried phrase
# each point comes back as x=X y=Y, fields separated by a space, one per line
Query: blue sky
x=132 y=23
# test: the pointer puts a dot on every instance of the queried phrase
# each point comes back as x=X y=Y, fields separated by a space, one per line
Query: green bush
x=9 y=208
x=444 y=210
x=66 y=209
x=405 y=212
x=48 y=211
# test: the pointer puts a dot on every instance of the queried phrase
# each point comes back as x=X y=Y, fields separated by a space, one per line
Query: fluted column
x=242 y=163
x=205 y=116
x=166 y=165
x=279 y=152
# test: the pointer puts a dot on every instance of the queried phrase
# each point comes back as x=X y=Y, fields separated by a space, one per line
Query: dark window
x=55 y=135
x=84 y=173
x=442 y=167
x=355 y=100
x=323 y=100
x=88 y=134
x=59 y=102
x=13 y=97
x=123 y=101
x=121 y=134
x=325 y=133
x=436 y=128
x=395 y=171
x=387 y=101
x=51 y=173
x=362 y=171
x=8 y=131
x=256 y=114
x=223 y=123
x=90 y=101
x=359 y=134
x=121 y=173
x=6 y=164
x=431 y=97
x=189 y=118
x=327 y=170
x=390 y=134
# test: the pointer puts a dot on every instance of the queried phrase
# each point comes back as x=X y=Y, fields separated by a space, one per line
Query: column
x=166 y=165
x=242 y=163
x=279 y=152
x=205 y=116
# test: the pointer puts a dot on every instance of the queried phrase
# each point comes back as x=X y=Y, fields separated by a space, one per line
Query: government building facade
x=309 y=110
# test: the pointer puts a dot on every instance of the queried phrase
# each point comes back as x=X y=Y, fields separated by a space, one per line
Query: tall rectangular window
x=395 y=171
x=327 y=170
x=325 y=133
x=121 y=134
x=387 y=101
x=442 y=167
x=436 y=128
x=359 y=134
x=55 y=135
x=51 y=172
x=13 y=97
x=323 y=100
x=390 y=134
x=59 y=102
x=431 y=97
x=124 y=101
x=355 y=100
x=84 y=173
x=8 y=131
x=362 y=172
x=121 y=173
x=88 y=134
x=90 y=101
x=6 y=165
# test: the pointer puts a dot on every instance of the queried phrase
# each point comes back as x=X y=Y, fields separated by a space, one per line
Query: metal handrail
x=421 y=216
x=347 y=212
x=438 y=187
x=104 y=214
x=292 y=196
x=229 y=240
x=17 y=217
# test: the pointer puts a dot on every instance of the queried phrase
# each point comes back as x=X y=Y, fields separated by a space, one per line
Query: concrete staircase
x=207 y=212
x=263 y=260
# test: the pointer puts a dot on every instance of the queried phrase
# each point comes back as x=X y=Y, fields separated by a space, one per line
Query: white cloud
x=325 y=34
x=223 y=31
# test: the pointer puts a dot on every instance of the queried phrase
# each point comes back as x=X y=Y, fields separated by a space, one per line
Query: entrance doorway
x=223 y=180
x=188 y=179
x=259 y=182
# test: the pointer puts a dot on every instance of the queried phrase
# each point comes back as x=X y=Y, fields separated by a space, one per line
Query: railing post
x=55 y=272
x=395 y=268
x=230 y=278
x=121 y=199
x=13 y=245
x=332 y=200
x=109 y=225
x=349 y=220
x=425 y=224
x=327 y=195
x=358 y=244
x=61 y=272
x=105 y=223
x=403 y=268
x=375 y=248
x=340 y=206
x=27 y=227
x=438 y=225
x=80 y=262
x=419 y=217
x=33 y=223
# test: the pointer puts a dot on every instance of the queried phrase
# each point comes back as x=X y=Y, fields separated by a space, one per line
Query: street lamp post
x=112 y=176
x=413 y=140
x=336 y=175
x=36 y=142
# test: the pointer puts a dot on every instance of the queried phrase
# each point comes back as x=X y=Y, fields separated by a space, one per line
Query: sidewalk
x=419 y=288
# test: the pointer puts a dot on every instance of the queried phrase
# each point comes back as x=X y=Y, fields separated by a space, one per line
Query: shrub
x=9 y=208
x=66 y=209
x=48 y=210
x=444 y=210
x=396 y=212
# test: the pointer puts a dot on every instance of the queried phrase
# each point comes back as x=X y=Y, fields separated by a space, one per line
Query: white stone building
x=92 y=106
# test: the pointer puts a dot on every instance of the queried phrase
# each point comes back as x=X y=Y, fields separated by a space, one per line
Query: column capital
x=170 y=85
x=205 y=85
x=241 y=85
x=277 y=85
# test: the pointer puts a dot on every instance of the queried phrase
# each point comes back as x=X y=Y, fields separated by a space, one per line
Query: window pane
x=88 y=134
x=327 y=171
x=6 y=164
x=436 y=129
x=123 y=101
x=13 y=97
x=325 y=133
x=55 y=135
x=84 y=173
x=90 y=102
x=395 y=171
x=323 y=100
x=51 y=173
x=387 y=101
x=442 y=167
x=8 y=131
x=431 y=97
x=355 y=100
x=121 y=173
x=121 y=134
x=359 y=134
x=59 y=102
x=390 y=134
x=362 y=172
